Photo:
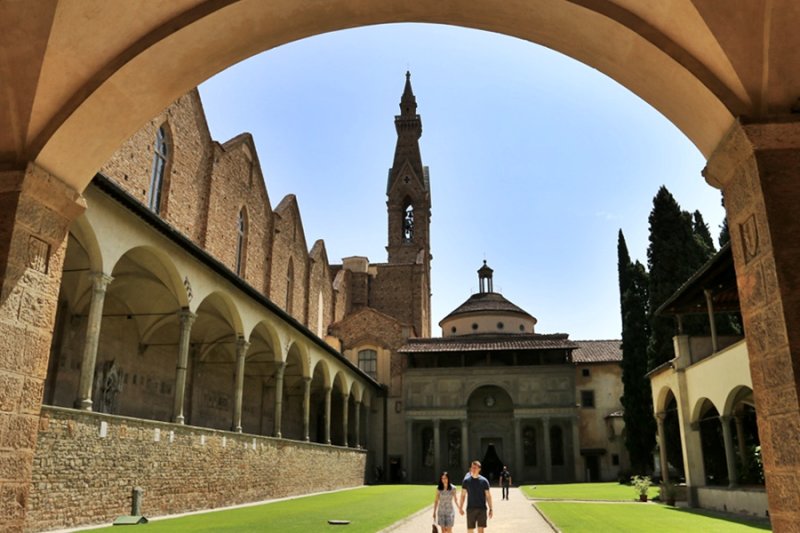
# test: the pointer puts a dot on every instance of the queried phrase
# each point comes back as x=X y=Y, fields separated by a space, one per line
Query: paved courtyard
x=515 y=515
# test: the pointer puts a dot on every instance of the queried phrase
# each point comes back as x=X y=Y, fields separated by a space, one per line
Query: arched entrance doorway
x=490 y=413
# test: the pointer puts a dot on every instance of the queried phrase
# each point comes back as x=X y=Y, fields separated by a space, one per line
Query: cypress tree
x=703 y=236
x=724 y=232
x=679 y=245
x=639 y=423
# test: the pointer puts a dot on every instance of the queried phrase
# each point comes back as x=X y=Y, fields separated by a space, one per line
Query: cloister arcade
x=160 y=339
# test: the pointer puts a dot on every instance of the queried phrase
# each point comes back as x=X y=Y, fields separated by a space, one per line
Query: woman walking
x=444 y=503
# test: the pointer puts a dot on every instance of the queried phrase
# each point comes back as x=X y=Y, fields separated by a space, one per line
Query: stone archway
x=490 y=418
x=720 y=75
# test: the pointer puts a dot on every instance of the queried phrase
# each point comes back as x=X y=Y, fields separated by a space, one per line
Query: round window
x=453 y=329
x=474 y=326
x=500 y=325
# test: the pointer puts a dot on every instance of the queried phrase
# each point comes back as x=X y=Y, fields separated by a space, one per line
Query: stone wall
x=86 y=465
x=236 y=186
x=289 y=247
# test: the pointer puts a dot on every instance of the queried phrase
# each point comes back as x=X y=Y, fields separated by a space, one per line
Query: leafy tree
x=640 y=426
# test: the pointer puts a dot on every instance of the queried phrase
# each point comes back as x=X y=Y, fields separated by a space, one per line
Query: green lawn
x=609 y=517
x=611 y=491
x=369 y=509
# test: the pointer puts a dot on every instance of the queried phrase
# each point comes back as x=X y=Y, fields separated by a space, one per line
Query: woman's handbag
x=435 y=529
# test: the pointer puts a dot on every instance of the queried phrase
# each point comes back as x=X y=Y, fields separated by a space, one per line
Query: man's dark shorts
x=476 y=515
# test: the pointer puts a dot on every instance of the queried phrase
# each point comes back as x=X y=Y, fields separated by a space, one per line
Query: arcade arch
x=693 y=62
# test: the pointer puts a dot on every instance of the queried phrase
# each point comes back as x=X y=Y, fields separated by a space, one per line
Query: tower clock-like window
x=241 y=242
x=368 y=362
x=160 y=155
x=408 y=224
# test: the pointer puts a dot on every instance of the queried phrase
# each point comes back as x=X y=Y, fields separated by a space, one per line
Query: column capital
x=725 y=419
x=187 y=318
x=100 y=281
x=661 y=416
x=307 y=380
x=745 y=138
x=241 y=346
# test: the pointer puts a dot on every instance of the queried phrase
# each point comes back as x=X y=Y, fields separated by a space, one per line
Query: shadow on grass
x=757 y=522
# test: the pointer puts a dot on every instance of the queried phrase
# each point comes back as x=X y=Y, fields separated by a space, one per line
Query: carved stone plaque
x=38 y=254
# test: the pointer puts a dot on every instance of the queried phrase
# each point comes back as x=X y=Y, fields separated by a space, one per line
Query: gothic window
x=529 y=446
x=556 y=446
x=289 y=286
x=241 y=242
x=408 y=224
x=160 y=155
x=368 y=362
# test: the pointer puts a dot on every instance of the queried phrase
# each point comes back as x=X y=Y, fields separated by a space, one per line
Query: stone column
x=409 y=450
x=241 y=352
x=740 y=438
x=757 y=165
x=187 y=318
x=367 y=427
x=580 y=474
x=548 y=459
x=35 y=212
x=437 y=444
x=306 y=408
x=662 y=446
x=691 y=443
x=358 y=424
x=277 y=418
x=328 y=415
x=730 y=453
x=518 y=460
x=100 y=283
x=345 y=417
x=465 y=460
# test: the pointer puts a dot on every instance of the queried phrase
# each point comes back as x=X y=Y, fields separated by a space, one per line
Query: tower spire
x=408 y=102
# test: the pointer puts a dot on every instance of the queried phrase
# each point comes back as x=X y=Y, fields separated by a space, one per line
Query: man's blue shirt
x=476 y=488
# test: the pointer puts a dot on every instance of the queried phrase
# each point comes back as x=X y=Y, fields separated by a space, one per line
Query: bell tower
x=408 y=203
x=408 y=188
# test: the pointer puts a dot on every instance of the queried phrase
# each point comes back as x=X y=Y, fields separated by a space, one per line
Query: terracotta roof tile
x=482 y=342
x=598 y=351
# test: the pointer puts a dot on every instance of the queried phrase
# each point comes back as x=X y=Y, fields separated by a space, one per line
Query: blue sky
x=536 y=160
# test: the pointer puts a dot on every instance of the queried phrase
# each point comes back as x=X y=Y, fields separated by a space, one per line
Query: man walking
x=505 y=481
x=477 y=488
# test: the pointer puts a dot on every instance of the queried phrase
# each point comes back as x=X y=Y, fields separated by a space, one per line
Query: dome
x=487 y=312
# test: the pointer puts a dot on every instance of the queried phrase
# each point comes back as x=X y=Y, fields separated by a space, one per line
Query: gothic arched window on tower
x=408 y=224
x=161 y=152
x=241 y=242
